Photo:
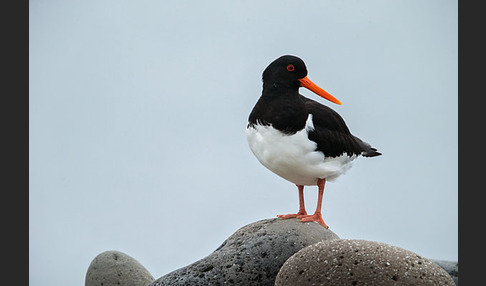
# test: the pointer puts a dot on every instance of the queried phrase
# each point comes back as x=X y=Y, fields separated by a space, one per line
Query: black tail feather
x=371 y=153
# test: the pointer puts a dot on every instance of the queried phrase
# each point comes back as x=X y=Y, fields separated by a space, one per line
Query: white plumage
x=294 y=157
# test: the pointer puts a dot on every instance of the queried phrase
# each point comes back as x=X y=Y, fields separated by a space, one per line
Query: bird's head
x=290 y=72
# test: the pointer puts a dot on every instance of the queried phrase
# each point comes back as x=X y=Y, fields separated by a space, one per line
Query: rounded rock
x=359 y=262
x=252 y=255
x=117 y=269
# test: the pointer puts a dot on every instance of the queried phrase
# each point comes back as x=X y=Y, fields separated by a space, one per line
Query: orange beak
x=307 y=83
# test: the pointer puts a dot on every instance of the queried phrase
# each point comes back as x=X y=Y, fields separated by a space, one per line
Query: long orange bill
x=307 y=83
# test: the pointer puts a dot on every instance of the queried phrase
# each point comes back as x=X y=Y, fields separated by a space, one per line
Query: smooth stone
x=253 y=255
x=115 y=268
x=359 y=262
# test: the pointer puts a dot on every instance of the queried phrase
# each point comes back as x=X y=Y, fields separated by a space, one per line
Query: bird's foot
x=300 y=213
x=315 y=217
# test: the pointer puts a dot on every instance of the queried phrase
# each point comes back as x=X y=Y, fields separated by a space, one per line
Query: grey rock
x=115 y=268
x=359 y=262
x=253 y=255
x=452 y=267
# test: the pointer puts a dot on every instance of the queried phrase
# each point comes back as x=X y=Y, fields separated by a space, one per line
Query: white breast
x=294 y=157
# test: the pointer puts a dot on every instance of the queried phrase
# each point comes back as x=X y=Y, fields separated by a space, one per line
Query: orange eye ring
x=290 y=67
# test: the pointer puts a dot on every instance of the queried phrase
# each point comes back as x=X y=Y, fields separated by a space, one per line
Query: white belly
x=293 y=157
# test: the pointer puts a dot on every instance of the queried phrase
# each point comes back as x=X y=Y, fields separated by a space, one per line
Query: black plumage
x=331 y=134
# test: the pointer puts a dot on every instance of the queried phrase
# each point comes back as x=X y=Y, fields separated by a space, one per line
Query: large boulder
x=253 y=255
x=359 y=262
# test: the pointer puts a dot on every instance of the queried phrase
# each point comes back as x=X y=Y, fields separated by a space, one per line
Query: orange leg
x=301 y=205
x=317 y=216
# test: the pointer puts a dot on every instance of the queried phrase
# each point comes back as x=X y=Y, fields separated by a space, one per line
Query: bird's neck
x=275 y=88
x=282 y=109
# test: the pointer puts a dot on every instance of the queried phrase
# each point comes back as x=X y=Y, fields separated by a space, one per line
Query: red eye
x=290 y=67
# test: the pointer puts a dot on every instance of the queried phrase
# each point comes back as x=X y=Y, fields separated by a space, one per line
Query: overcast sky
x=138 y=112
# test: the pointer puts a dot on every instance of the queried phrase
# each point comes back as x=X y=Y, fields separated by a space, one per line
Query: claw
x=287 y=216
x=317 y=217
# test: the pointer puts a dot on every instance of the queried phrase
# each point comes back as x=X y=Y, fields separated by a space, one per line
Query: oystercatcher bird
x=297 y=138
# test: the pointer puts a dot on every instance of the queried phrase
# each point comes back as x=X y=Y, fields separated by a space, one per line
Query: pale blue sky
x=138 y=112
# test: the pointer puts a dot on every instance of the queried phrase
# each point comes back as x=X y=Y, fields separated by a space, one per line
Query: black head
x=284 y=72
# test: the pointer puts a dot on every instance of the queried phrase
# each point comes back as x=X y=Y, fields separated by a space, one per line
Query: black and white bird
x=297 y=138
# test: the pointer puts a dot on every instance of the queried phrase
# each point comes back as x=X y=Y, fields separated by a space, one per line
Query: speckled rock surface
x=359 y=262
x=452 y=267
x=115 y=268
x=253 y=255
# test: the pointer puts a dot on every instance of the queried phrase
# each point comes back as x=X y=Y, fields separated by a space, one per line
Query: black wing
x=332 y=135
